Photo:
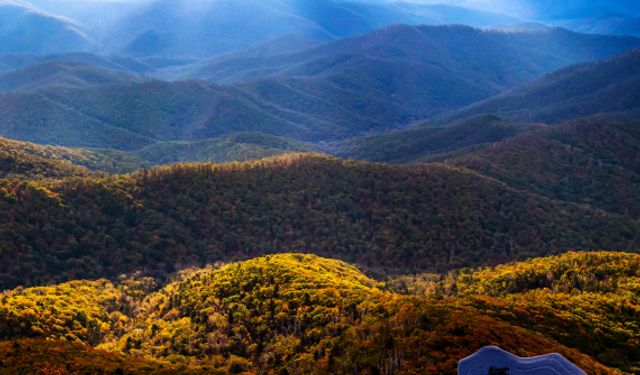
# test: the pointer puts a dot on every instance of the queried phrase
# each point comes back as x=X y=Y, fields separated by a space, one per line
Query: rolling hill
x=425 y=142
x=226 y=148
x=62 y=74
x=380 y=81
x=21 y=159
x=573 y=292
x=28 y=160
x=295 y=313
x=590 y=161
x=387 y=218
x=467 y=53
x=609 y=86
x=134 y=115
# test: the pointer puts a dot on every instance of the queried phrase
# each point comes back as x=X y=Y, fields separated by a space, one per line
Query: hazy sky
x=523 y=9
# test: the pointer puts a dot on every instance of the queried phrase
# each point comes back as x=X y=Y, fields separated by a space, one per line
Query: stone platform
x=492 y=360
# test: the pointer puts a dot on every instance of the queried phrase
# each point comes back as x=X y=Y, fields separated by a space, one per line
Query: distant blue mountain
x=183 y=27
x=26 y=29
x=196 y=29
x=615 y=17
x=587 y=9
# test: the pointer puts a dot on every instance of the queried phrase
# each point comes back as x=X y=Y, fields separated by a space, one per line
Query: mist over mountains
x=205 y=27
x=290 y=88
x=187 y=77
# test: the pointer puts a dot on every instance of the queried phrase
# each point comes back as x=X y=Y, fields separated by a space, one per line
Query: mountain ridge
x=355 y=87
x=346 y=322
x=566 y=94
x=338 y=199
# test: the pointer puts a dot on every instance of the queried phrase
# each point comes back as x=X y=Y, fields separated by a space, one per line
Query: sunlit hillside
x=295 y=313
x=388 y=218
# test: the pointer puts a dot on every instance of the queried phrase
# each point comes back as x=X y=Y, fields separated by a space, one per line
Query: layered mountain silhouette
x=62 y=74
x=608 y=86
x=206 y=27
x=383 y=80
x=428 y=142
x=26 y=29
x=500 y=59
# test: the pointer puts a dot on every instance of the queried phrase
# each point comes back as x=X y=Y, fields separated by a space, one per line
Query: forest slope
x=390 y=218
x=423 y=142
x=28 y=160
x=379 y=81
x=590 y=161
x=590 y=298
x=294 y=313
x=603 y=87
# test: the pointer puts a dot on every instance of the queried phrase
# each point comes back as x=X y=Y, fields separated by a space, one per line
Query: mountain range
x=317 y=186
x=205 y=27
x=609 y=86
x=383 y=217
x=325 y=93
x=26 y=29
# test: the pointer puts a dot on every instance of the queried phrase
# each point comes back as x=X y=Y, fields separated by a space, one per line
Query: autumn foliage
x=302 y=314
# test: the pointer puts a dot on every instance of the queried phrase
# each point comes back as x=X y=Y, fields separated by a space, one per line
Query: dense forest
x=592 y=161
x=389 y=219
x=302 y=314
x=595 y=294
x=32 y=161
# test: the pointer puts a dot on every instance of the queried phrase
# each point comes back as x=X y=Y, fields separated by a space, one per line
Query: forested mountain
x=226 y=148
x=595 y=294
x=298 y=187
x=294 y=313
x=462 y=53
x=28 y=160
x=592 y=161
x=609 y=86
x=388 y=218
x=131 y=116
x=424 y=142
x=363 y=85
x=26 y=29
x=62 y=74
x=20 y=159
